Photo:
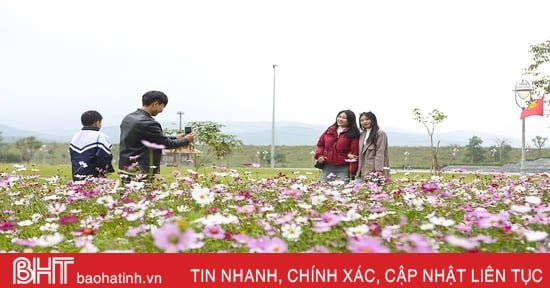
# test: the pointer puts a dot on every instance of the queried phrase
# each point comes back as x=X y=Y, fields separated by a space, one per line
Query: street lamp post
x=406 y=163
x=453 y=152
x=273 y=122
x=523 y=92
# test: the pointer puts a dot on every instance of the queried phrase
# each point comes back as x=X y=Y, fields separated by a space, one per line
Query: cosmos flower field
x=224 y=211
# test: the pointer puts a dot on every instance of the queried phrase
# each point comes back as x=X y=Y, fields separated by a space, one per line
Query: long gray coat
x=373 y=157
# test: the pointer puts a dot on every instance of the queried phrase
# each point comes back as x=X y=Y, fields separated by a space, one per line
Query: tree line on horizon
x=30 y=150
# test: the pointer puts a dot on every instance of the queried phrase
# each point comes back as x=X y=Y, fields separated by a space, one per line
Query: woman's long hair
x=373 y=135
x=353 y=129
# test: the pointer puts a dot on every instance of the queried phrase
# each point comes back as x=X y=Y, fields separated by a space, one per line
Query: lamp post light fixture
x=273 y=122
x=494 y=154
x=181 y=114
x=523 y=91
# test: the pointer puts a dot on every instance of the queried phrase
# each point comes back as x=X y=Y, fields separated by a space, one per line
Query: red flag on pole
x=534 y=108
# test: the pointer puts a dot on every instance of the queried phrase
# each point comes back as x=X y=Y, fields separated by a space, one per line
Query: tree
x=430 y=121
x=540 y=55
x=28 y=147
x=474 y=151
x=211 y=142
x=501 y=145
x=539 y=143
x=50 y=150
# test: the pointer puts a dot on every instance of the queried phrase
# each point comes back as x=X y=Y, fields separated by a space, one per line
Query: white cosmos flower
x=35 y=217
x=25 y=223
x=136 y=185
x=21 y=202
x=202 y=196
x=304 y=205
x=374 y=216
x=51 y=197
x=291 y=231
x=427 y=226
x=359 y=230
x=441 y=221
x=534 y=236
x=521 y=209
x=57 y=208
x=461 y=242
x=50 y=240
x=52 y=227
x=351 y=215
x=182 y=208
x=318 y=199
x=533 y=200
x=105 y=200
x=217 y=219
x=337 y=183
x=301 y=220
x=135 y=216
x=89 y=248
x=417 y=202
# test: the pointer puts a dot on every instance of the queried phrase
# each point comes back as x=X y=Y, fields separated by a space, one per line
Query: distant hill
x=286 y=133
x=10 y=134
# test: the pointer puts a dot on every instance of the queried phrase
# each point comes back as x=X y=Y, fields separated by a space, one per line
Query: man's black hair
x=151 y=97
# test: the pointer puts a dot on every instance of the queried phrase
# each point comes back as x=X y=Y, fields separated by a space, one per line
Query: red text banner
x=274 y=270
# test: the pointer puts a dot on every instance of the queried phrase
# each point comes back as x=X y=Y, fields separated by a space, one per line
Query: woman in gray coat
x=373 y=148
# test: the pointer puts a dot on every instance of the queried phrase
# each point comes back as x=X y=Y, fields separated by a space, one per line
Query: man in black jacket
x=141 y=136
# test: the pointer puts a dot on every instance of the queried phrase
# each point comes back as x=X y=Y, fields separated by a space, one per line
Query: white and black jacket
x=90 y=152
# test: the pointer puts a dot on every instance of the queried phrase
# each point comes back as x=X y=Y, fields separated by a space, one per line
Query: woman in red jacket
x=338 y=147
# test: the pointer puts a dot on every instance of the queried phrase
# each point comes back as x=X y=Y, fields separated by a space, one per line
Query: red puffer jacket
x=339 y=148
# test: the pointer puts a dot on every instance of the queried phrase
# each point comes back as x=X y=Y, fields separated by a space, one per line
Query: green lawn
x=64 y=171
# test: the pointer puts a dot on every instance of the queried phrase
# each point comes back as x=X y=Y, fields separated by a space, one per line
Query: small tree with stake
x=429 y=121
x=212 y=143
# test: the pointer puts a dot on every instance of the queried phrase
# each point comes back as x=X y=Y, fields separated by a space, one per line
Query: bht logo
x=27 y=271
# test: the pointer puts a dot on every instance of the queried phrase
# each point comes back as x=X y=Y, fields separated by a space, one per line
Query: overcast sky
x=214 y=59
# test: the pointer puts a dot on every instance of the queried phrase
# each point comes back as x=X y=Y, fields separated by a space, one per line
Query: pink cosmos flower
x=429 y=187
x=268 y=245
x=32 y=242
x=133 y=232
x=133 y=157
x=214 y=231
x=57 y=208
x=414 y=243
x=366 y=244
x=293 y=192
x=326 y=222
x=319 y=249
x=152 y=145
x=171 y=239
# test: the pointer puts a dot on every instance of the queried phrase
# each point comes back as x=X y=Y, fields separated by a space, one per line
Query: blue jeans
x=332 y=172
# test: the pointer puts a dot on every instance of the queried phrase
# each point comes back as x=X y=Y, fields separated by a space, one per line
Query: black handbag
x=319 y=165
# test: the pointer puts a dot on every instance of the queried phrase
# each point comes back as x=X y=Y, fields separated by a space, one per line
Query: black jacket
x=138 y=126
